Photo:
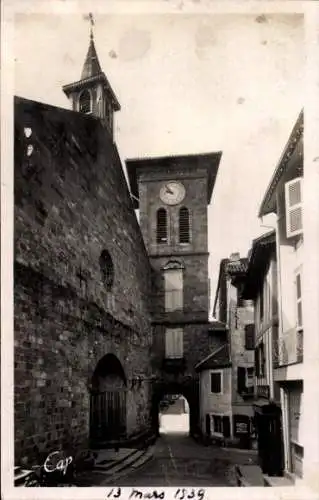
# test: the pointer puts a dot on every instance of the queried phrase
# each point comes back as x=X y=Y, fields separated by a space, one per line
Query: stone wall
x=71 y=203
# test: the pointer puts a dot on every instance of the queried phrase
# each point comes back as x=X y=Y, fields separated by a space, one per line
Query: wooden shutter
x=257 y=371
x=226 y=427
x=161 y=226
x=241 y=379
x=250 y=336
x=299 y=300
x=293 y=199
x=173 y=289
x=184 y=225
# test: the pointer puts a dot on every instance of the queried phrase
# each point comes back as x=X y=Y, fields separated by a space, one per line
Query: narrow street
x=181 y=461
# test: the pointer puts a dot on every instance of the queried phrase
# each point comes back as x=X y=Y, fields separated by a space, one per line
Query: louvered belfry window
x=85 y=102
x=184 y=236
x=161 y=226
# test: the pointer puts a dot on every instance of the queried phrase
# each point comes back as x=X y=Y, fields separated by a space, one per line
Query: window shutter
x=161 y=226
x=293 y=199
x=257 y=371
x=184 y=225
x=250 y=336
x=241 y=379
x=226 y=427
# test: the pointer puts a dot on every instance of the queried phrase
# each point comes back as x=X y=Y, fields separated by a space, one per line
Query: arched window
x=184 y=236
x=107 y=269
x=85 y=104
x=161 y=226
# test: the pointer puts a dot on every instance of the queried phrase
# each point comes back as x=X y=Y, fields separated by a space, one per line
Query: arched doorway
x=174 y=415
x=189 y=391
x=108 y=401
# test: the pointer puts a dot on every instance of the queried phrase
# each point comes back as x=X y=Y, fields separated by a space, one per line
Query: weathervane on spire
x=90 y=18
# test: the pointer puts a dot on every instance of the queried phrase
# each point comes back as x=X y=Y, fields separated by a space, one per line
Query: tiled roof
x=237 y=266
x=220 y=358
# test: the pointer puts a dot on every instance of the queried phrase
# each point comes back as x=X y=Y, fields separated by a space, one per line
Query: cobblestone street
x=180 y=461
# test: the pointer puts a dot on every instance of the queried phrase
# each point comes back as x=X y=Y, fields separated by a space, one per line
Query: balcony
x=174 y=365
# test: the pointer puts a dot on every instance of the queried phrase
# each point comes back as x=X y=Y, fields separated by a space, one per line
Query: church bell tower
x=93 y=94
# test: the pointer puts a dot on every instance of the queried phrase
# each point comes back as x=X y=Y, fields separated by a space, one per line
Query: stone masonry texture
x=69 y=191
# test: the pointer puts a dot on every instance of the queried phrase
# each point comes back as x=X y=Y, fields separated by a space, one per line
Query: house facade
x=234 y=363
x=261 y=286
x=284 y=197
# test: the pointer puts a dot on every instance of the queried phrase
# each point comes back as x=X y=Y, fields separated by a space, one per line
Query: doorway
x=108 y=401
x=174 y=415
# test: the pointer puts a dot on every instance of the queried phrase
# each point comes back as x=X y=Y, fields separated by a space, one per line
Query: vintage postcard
x=160 y=230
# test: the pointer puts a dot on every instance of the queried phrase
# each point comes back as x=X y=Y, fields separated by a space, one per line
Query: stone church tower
x=93 y=94
x=172 y=195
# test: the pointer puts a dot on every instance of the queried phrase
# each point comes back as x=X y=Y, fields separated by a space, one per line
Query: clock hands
x=168 y=190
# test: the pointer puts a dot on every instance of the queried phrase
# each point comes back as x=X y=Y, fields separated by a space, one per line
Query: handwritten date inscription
x=179 y=494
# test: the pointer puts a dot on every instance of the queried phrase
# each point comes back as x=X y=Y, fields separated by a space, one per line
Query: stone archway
x=190 y=391
x=108 y=401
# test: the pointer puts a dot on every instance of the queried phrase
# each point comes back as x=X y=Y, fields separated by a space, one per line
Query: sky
x=187 y=84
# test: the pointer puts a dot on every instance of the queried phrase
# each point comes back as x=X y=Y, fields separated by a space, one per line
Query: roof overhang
x=208 y=160
x=291 y=152
x=80 y=84
x=220 y=358
x=262 y=248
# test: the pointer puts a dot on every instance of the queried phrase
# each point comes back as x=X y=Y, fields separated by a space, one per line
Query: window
x=250 y=336
x=216 y=382
x=262 y=360
x=293 y=199
x=85 y=102
x=250 y=375
x=174 y=343
x=107 y=269
x=241 y=379
x=261 y=303
x=217 y=424
x=298 y=299
x=161 y=226
x=184 y=235
x=173 y=277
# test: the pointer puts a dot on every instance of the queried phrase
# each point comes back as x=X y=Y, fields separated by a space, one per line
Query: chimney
x=234 y=257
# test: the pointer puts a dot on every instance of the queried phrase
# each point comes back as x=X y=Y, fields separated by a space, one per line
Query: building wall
x=290 y=256
x=266 y=329
x=216 y=404
x=72 y=202
x=239 y=317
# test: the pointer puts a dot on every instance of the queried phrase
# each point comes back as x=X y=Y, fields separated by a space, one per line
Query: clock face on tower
x=172 y=192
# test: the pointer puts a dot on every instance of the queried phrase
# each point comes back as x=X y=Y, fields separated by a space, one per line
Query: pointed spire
x=91 y=65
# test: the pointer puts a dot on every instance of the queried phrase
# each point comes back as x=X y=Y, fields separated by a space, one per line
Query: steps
x=110 y=466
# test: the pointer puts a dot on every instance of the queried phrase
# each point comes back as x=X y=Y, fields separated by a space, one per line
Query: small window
x=107 y=269
x=298 y=300
x=184 y=236
x=250 y=336
x=85 y=102
x=161 y=226
x=241 y=379
x=216 y=382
